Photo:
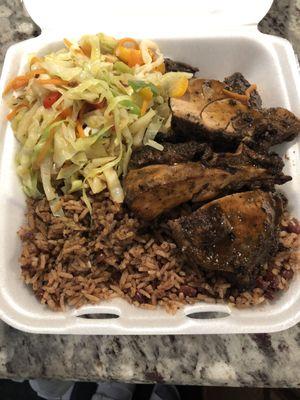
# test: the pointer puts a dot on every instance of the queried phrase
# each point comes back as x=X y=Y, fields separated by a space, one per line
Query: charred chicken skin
x=210 y=111
x=233 y=234
x=156 y=188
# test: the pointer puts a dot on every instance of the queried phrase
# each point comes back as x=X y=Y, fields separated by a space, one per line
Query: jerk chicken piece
x=208 y=112
x=233 y=234
x=171 y=154
x=155 y=189
x=176 y=66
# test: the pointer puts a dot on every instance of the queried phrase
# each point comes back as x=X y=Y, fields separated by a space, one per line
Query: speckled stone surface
x=233 y=360
x=283 y=19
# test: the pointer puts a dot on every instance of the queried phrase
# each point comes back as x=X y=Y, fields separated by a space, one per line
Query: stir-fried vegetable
x=78 y=113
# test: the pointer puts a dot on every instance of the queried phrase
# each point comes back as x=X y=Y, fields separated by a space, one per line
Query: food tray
x=219 y=42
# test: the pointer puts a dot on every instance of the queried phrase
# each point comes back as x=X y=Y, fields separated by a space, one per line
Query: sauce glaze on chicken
x=217 y=157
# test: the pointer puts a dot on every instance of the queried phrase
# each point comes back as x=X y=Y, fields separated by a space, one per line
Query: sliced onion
x=114 y=185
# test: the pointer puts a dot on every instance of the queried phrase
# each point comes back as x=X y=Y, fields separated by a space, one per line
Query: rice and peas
x=73 y=260
x=77 y=114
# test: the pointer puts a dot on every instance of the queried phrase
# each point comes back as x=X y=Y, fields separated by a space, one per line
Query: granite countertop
x=233 y=360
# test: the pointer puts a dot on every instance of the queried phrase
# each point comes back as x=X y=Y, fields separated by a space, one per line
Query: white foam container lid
x=216 y=36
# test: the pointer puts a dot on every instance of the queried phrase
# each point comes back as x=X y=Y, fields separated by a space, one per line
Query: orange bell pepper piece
x=147 y=96
x=179 y=88
x=131 y=55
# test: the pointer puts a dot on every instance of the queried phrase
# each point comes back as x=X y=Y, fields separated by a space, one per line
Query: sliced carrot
x=53 y=81
x=15 y=111
x=79 y=130
x=16 y=84
x=22 y=80
x=244 y=98
x=240 y=97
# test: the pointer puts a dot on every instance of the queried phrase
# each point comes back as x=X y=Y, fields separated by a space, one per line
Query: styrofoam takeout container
x=220 y=38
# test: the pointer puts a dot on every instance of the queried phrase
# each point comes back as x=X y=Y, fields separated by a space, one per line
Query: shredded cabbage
x=83 y=139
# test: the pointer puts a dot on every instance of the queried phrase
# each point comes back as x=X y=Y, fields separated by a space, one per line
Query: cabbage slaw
x=79 y=112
